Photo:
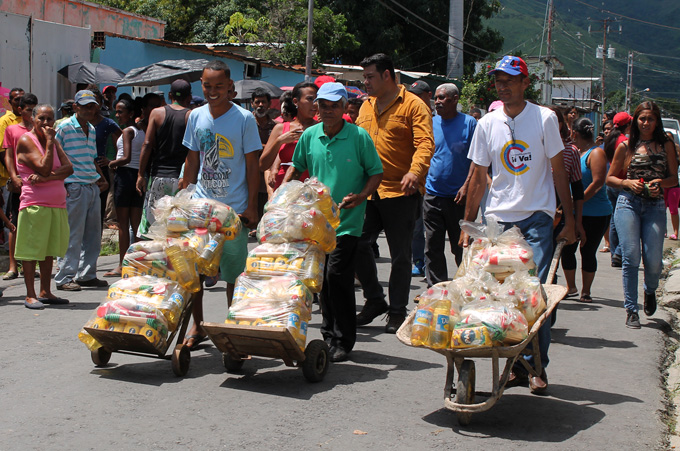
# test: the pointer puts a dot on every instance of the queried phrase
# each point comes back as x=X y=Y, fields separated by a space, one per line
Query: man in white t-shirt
x=521 y=142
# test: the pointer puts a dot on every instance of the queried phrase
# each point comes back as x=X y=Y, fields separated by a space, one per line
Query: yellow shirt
x=403 y=137
x=5 y=121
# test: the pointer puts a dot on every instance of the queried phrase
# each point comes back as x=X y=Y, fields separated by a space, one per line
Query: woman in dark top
x=641 y=167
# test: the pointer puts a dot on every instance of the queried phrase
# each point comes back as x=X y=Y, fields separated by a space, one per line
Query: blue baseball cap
x=84 y=97
x=332 y=92
x=511 y=65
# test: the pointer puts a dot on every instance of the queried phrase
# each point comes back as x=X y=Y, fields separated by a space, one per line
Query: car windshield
x=671 y=123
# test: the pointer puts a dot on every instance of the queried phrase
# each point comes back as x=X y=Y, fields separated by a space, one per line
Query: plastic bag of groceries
x=296 y=223
x=305 y=260
x=308 y=194
x=496 y=251
x=142 y=305
x=524 y=292
x=489 y=322
x=172 y=260
x=181 y=213
x=279 y=301
x=474 y=285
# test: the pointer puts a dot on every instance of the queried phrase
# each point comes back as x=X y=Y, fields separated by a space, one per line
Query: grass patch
x=109 y=247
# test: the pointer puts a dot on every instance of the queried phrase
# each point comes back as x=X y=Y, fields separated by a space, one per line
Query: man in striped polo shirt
x=77 y=137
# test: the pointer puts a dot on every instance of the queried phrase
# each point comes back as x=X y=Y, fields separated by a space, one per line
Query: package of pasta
x=476 y=284
x=525 y=293
x=142 y=305
x=505 y=324
x=305 y=260
x=498 y=252
x=296 y=223
x=279 y=301
x=308 y=194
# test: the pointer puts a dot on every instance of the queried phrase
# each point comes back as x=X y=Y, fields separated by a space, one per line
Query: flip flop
x=604 y=249
x=586 y=299
x=54 y=301
x=112 y=273
x=673 y=237
x=198 y=339
x=10 y=275
x=571 y=295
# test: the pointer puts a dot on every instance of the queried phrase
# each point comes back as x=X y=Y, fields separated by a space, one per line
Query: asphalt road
x=605 y=388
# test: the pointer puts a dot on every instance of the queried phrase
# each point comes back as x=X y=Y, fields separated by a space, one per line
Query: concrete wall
x=127 y=54
x=84 y=14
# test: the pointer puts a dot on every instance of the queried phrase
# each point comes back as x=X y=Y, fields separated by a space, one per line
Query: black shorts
x=125 y=193
x=12 y=208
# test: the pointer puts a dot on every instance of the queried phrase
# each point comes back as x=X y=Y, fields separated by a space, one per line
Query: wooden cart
x=125 y=343
x=238 y=342
x=461 y=398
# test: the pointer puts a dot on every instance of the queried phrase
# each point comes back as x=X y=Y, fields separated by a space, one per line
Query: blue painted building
x=127 y=53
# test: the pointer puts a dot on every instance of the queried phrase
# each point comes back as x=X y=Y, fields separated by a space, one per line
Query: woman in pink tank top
x=42 y=231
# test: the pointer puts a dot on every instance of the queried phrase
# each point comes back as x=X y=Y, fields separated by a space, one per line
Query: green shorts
x=41 y=232
x=234 y=255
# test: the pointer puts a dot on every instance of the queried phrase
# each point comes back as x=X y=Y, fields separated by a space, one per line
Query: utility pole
x=310 y=25
x=546 y=91
x=629 y=82
x=454 y=62
x=604 y=52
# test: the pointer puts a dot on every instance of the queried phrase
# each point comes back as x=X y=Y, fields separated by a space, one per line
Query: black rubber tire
x=315 y=365
x=101 y=356
x=465 y=390
x=230 y=364
x=181 y=358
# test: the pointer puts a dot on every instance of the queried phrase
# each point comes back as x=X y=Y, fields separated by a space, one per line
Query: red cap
x=622 y=119
x=323 y=79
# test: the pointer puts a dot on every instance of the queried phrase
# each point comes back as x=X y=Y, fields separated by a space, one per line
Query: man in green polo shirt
x=342 y=156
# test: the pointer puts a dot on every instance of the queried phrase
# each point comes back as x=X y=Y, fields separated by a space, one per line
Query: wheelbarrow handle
x=555 y=260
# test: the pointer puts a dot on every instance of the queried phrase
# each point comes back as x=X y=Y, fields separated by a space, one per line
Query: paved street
x=605 y=388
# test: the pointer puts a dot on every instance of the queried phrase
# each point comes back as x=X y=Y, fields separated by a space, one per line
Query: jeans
x=337 y=301
x=537 y=230
x=418 y=243
x=640 y=219
x=613 y=195
x=83 y=205
x=442 y=216
x=397 y=216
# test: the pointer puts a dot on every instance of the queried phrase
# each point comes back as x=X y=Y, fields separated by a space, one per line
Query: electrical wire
x=627 y=17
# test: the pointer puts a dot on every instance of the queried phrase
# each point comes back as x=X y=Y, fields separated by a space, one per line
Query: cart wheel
x=315 y=365
x=231 y=364
x=101 y=356
x=465 y=390
x=181 y=357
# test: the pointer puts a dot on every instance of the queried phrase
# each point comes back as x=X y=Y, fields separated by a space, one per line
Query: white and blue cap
x=84 y=97
x=332 y=92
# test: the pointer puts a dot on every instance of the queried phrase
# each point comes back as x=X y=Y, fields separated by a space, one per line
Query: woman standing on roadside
x=43 y=231
x=649 y=163
x=285 y=136
x=596 y=208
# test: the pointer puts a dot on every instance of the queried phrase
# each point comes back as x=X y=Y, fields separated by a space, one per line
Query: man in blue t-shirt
x=447 y=181
x=223 y=144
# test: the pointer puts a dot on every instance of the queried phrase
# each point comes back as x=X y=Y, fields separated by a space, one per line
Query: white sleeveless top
x=136 y=150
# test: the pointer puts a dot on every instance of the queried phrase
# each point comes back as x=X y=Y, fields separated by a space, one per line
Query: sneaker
x=394 y=322
x=211 y=281
x=633 y=320
x=650 y=304
x=97 y=283
x=418 y=269
x=338 y=354
x=69 y=286
x=616 y=261
x=370 y=311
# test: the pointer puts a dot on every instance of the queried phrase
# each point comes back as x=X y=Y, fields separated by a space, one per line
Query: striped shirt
x=572 y=161
x=81 y=150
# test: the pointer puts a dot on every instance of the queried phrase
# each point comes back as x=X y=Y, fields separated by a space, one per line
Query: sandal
x=573 y=293
x=673 y=237
x=604 y=249
x=197 y=340
x=10 y=275
x=112 y=273
x=586 y=299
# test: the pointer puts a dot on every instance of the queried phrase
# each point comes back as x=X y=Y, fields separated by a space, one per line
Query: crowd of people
x=399 y=160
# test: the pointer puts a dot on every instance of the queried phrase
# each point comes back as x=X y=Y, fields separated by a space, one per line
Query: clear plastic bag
x=475 y=284
x=280 y=301
x=496 y=251
x=309 y=194
x=143 y=305
x=504 y=323
x=433 y=320
x=525 y=293
x=305 y=260
x=296 y=223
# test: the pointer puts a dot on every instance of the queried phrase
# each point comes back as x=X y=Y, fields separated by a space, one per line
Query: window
x=252 y=70
x=99 y=40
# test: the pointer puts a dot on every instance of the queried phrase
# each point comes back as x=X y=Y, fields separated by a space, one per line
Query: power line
x=627 y=17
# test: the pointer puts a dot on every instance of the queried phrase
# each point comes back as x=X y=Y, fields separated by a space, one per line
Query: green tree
x=241 y=29
x=479 y=90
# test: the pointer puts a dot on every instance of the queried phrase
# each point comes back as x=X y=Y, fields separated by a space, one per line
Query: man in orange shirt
x=401 y=128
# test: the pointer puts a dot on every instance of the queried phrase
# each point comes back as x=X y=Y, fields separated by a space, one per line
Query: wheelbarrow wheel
x=465 y=390
x=231 y=364
x=101 y=356
x=315 y=365
x=181 y=358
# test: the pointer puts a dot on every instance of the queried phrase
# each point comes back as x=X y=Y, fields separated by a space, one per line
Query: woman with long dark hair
x=648 y=164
